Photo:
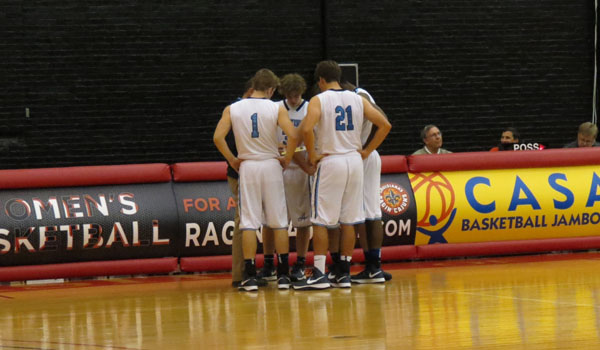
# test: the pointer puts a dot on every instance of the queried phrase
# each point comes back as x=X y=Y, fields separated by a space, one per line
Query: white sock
x=320 y=262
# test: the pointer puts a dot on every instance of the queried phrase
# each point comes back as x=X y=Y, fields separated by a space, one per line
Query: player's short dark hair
x=292 y=84
x=264 y=80
x=328 y=70
x=247 y=86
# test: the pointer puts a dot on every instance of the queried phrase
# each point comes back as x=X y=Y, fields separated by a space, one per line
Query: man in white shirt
x=432 y=138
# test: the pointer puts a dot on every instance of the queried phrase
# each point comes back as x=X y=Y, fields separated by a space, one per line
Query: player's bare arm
x=302 y=161
x=286 y=125
x=373 y=130
x=313 y=115
x=221 y=131
x=383 y=128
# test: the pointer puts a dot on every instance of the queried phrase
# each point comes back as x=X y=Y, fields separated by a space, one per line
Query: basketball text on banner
x=507 y=204
x=57 y=225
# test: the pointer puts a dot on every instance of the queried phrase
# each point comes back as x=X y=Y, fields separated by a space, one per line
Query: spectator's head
x=432 y=137
x=266 y=81
x=509 y=135
x=586 y=134
x=292 y=87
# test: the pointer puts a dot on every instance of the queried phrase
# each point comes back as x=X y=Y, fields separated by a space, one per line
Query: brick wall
x=471 y=67
x=114 y=82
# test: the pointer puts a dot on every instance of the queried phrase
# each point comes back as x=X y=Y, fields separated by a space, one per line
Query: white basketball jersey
x=296 y=116
x=254 y=122
x=339 y=130
x=367 y=125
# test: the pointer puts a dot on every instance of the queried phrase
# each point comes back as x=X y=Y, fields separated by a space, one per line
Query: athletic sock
x=335 y=257
x=283 y=266
x=270 y=260
x=375 y=257
x=320 y=262
x=344 y=264
x=301 y=260
x=368 y=257
x=250 y=268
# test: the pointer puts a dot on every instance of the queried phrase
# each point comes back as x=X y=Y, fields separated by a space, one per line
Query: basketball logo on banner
x=436 y=211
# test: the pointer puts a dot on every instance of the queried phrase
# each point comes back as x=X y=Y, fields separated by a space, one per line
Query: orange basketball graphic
x=435 y=210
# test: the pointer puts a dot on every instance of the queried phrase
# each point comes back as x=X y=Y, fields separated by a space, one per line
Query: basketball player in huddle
x=296 y=175
x=296 y=182
x=336 y=116
x=254 y=121
x=370 y=233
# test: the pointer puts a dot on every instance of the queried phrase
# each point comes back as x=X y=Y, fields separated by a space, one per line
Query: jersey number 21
x=343 y=119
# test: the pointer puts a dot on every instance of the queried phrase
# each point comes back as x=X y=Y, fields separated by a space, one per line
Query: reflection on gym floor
x=530 y=302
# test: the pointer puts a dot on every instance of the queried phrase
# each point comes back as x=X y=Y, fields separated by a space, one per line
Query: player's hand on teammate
x=315 y=158
x=284 y=162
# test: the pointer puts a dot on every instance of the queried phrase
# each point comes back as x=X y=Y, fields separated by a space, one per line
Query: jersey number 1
x=254 y=119
x=341 y=117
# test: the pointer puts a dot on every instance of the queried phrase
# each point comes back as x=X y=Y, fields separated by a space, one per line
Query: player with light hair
x=296 y=181
x=254 y=121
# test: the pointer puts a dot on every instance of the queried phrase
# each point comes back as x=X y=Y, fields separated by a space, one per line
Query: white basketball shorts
x=337 y=191
x=297 y=196
x=261 y=187
x=372 y=180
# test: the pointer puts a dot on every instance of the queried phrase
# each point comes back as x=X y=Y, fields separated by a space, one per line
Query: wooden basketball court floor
x=526 y=302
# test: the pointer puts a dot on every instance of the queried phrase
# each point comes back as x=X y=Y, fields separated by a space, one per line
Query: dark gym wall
x=471 y=67
x=113 y=82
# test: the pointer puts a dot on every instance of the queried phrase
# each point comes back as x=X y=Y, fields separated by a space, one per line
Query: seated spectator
x=509 y=137
x=432 y=138
x=586 y=136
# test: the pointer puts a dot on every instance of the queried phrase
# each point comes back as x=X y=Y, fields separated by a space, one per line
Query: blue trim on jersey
x=288 y=107
x=353 y=223
x=327 y=226
x=315 y=200
x=373 y=219
x=248 y=229
x=239 y=203
x=278 y=228
x=257 y=98
x=307 y=226
x=302 y=104
x=337 y=90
